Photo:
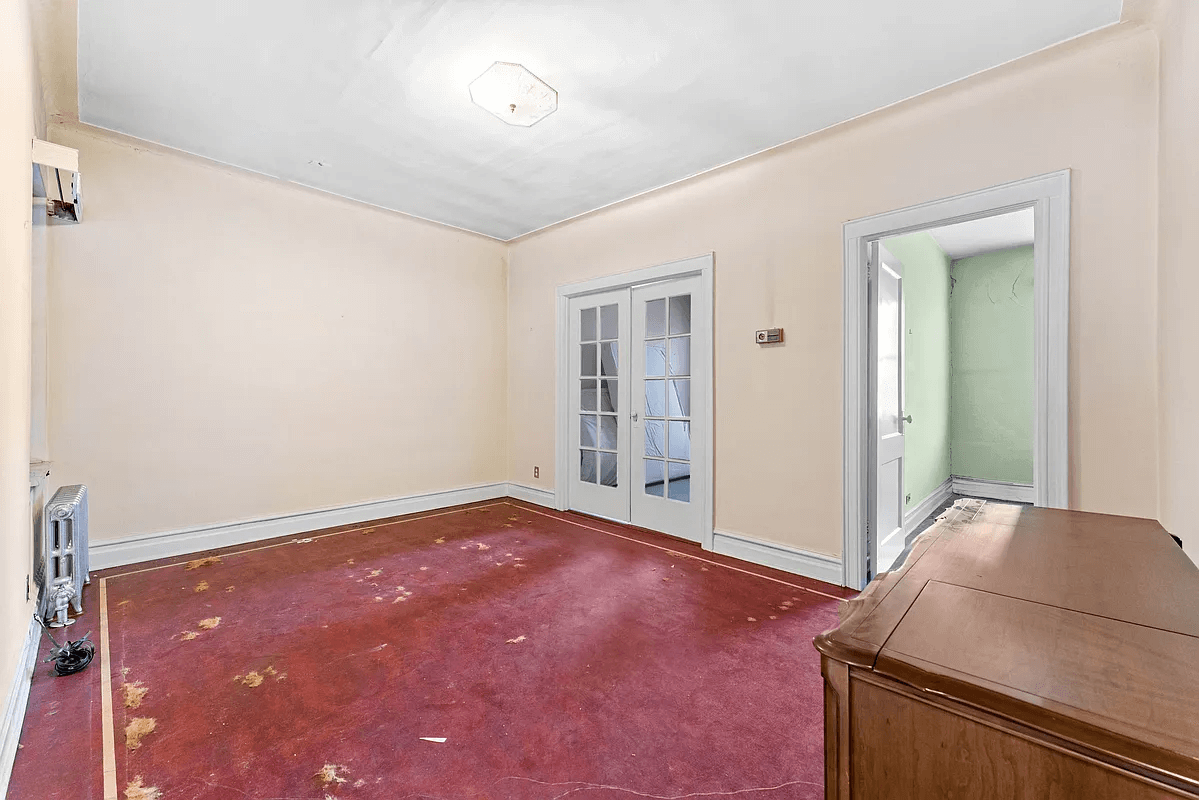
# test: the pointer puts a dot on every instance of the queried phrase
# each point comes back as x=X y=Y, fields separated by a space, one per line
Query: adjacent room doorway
x=635 y=398
x=875 y=416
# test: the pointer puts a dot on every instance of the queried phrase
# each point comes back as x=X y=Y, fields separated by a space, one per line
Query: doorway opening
x=634 y=411
x=992 y=366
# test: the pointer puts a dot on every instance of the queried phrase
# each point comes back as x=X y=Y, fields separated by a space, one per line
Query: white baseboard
x=147 y=547
x=530 y=494
x=15 y=704
x=924 y=509
x=780 y=556
x=995 y=490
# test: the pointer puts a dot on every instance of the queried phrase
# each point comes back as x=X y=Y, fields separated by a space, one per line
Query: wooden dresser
x=1019 y=653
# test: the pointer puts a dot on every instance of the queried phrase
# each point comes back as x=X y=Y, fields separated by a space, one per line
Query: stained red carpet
x=557 y=656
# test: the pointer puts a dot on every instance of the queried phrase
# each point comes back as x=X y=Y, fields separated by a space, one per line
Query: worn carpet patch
x=494 y=651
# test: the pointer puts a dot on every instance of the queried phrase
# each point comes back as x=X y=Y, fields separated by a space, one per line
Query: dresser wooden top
x=1083 y=625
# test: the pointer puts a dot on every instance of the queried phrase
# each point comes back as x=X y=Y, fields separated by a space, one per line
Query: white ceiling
x=368 y=98
x=986 y=235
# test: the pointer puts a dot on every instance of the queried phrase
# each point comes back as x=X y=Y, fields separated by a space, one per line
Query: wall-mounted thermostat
x=769 y=336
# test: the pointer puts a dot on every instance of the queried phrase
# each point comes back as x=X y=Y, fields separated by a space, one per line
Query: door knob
x=634 y=416
x=908 y=419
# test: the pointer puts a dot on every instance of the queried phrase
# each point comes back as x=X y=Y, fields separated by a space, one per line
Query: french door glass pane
x=608 y=396
x=587 y=325
x=680 y=356
x=680 y=482
x=587 y=466
x=608 y=469
x=655 y=477
x=680 y=398
x=655 y=318
x=587 y=399
x=609 y=358
x=655 y=358
x=587 y=430
x=609 y=322
x=678 y=439
x=607 y=433
x=655 y=438
x=588 y=360
x=680 y=314
x=655 y=398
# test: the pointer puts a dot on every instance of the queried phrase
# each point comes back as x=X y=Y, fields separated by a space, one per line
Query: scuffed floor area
x=492 y=651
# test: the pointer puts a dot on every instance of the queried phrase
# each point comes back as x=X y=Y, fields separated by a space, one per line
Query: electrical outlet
x=536 y=472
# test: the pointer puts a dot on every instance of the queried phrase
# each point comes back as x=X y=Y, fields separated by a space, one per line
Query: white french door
x=886 y=540
x=664 y=451
x=639 y=357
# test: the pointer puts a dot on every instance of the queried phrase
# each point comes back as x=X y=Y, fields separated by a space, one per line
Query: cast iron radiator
x=61 y=562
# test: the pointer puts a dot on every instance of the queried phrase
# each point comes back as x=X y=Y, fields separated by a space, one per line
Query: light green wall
x=926 y=271
x=968 y=368
x=991 y=347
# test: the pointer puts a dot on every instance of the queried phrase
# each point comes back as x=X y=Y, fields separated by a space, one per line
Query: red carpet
x=556 y=655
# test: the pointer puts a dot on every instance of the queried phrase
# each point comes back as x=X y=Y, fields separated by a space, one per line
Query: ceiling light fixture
x=515 y=95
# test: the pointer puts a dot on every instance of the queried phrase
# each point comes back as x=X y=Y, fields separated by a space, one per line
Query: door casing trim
x=702 y=266
x=1049 y=197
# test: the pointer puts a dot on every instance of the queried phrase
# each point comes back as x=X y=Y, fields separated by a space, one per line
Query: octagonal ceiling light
x=514 y=94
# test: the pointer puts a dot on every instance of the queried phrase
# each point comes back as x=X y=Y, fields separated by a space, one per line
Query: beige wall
x=19 y=107
x=774 y=222
x=1178 y=288
x=225 y=346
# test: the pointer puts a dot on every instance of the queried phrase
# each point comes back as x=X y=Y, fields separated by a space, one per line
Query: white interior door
x=669 y=322
x=599 y=404
x=886 y=538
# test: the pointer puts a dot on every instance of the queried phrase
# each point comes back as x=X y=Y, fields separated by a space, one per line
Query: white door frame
x=1049 y=197
x=703 y=266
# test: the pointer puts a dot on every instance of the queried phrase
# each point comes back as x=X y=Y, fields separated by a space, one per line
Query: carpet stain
x=229 y=589
x=375 y=573
x=202 y=586
x=517 y=640
x=187 y=636
x=136 y=790
x=254 y=678
x=251 y=679
x=424 y=569
x=327 y=775
x=133 y=693
x=210 y=623
x=439 y=541
x=202 y=562
x=137 y=729
x=750 y=619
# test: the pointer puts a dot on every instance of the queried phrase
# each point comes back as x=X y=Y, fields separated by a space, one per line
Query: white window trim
x=704 y=267
x=1049 y=197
